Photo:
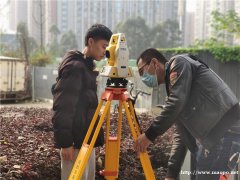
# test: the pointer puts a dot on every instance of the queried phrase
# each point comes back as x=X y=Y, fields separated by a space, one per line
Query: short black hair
x=150 y=53
x=98 y=32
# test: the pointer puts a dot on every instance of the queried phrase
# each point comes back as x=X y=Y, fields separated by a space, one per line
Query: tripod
x=112 y=150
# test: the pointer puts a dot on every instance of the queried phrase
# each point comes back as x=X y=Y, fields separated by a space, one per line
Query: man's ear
x=90 y=41
x=155 y=62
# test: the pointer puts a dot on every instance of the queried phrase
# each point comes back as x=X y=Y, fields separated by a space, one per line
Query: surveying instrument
x=117 y=71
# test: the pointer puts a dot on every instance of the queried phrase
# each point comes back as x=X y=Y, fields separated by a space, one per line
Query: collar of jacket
x=167 y=68
x=87 y=60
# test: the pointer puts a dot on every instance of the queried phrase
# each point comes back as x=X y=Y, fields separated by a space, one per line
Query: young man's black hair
x=150 y=53
x=98 y=31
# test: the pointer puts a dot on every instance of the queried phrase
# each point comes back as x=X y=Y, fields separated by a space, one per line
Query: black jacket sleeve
x=177 y=156
x=65 y=98
x=179 y=92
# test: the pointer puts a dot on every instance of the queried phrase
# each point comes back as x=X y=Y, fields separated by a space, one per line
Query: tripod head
x=117 y=62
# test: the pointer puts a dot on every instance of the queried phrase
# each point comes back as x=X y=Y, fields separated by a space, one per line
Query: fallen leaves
x=27 y=151
x=27 y=144
x=129 y=165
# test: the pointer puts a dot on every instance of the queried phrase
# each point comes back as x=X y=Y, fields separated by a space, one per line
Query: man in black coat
x=75 y=100
x=204 y=109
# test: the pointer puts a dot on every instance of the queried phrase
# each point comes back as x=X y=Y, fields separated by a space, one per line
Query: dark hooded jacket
x=74 y=100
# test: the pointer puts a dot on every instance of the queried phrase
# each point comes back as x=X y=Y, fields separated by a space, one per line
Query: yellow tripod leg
x=119 y=129
x=86 y=149
x=144 y=158
x=132 y=112
x=112 y=151
x=107 y=135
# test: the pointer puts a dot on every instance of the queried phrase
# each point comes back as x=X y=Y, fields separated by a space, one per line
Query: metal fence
x=44 y=77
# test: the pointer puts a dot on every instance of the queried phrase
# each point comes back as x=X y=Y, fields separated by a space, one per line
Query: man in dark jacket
x=75 y=99
x=203 y=108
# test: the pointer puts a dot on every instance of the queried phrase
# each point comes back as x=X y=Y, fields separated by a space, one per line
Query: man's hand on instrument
x=142 y=143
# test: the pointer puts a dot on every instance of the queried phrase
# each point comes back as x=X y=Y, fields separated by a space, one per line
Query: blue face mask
x=150 y=80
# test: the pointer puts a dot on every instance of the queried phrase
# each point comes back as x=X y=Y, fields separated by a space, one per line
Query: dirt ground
x=28 y=104
x=27 y=148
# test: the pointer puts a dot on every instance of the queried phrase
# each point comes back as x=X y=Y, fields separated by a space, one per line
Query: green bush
x=40 y=59
x=221 y=53
x=226 y=54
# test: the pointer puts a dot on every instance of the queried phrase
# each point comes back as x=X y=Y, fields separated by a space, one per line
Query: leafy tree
x=40 y=21
x=6 y=51
x=27 y=44
x=140 y=36
x=173 y=33
x=226 y=26
x=54 y=30
x=229 y=22
x=209 y=43
x=22 y=35
x=137 y=33
x=32 y=45
x=68 y=42
x=54 y=45
x=40 y=58
x=158 y=36
x=166 y=35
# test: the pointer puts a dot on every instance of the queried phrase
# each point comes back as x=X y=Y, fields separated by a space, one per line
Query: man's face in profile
x=98 y=48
